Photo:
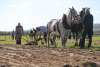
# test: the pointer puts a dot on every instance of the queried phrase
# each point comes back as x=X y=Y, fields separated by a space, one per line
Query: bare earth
x=37 y=56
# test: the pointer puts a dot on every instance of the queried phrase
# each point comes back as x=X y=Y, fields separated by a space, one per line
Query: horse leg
x=80 y=40
x=76 y=44
x=54 y=37
x=64 y=38
x=51 y=40
x=61 y=41
x=48 y=35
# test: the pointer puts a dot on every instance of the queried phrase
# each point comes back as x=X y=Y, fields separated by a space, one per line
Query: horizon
x=29 y=29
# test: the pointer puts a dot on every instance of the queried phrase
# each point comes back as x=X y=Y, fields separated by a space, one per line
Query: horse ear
x=89 y=8
x=69 y=8
x=72 y=7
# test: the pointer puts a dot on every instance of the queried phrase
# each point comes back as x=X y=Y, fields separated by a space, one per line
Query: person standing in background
x=31 y=34
x=34 y=33
x=18 y=33
x=12 y=34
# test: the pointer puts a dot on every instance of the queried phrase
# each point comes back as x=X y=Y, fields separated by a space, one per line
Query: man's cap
x=87 y=9
x=18 y=23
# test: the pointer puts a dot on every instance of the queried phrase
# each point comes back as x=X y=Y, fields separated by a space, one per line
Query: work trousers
x=88 y=29
x=18 y=38
x=34 y=36
x=45 y=35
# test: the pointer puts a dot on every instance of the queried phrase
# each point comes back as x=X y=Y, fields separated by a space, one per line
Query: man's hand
x=79 y=19
x=72 y=21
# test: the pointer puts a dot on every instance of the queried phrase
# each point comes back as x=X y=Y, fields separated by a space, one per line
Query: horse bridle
x=83 y=13
x=74 y=16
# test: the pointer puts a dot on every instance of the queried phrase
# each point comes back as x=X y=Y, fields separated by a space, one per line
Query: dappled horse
x=61 y=27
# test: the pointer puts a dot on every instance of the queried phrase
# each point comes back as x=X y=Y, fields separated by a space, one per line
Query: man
x=34 y=33
x=88 y=28
x=41 y=29
x=18 y=33
x=12 y=34
x=31 y=34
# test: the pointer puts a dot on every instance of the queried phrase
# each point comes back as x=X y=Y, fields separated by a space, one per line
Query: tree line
x=9 y=32
x=96 y=30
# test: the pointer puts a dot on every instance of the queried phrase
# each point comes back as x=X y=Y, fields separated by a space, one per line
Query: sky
x=33 y=13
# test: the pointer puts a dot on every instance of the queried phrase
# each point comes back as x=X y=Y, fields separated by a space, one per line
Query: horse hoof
x=76 y=44
x=79 y=44
x=55 y=47
x=64 y=47
x=47 y=47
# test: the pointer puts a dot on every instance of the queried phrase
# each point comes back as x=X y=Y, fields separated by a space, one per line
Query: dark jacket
x=88 y=19
x=19 y=30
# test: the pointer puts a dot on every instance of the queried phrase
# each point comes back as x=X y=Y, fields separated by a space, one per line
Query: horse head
x=82 y=12
x=71 y=15
x=74 y=15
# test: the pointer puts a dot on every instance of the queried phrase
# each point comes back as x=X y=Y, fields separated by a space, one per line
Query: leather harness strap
x=58 y=27
x=65 y=24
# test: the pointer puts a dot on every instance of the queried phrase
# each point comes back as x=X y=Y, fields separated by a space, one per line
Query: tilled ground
x=37 y=56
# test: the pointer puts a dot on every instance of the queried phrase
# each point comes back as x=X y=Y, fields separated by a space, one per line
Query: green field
x=9 y=38
x=9 y=41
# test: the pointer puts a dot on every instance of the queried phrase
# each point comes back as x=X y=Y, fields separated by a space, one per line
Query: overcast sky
x=32 y=13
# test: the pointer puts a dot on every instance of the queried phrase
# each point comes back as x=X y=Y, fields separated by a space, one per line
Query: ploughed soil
x=38 y=56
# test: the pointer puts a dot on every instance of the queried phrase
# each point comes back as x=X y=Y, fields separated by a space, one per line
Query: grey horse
x=61 y=27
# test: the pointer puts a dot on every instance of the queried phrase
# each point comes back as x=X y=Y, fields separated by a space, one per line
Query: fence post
x=5 y=38
x=9 y=37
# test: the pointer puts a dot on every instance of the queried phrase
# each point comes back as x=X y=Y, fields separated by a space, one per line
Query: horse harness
x=65 y=24
x=57 y=27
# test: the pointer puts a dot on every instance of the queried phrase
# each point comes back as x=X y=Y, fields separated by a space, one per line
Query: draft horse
x=61 y=27
x=78 y=27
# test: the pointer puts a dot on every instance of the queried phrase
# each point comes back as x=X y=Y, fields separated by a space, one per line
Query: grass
x=12 y=42
x=9 y=38
x=94 y=47
x=26 y=37
x=94 y=38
